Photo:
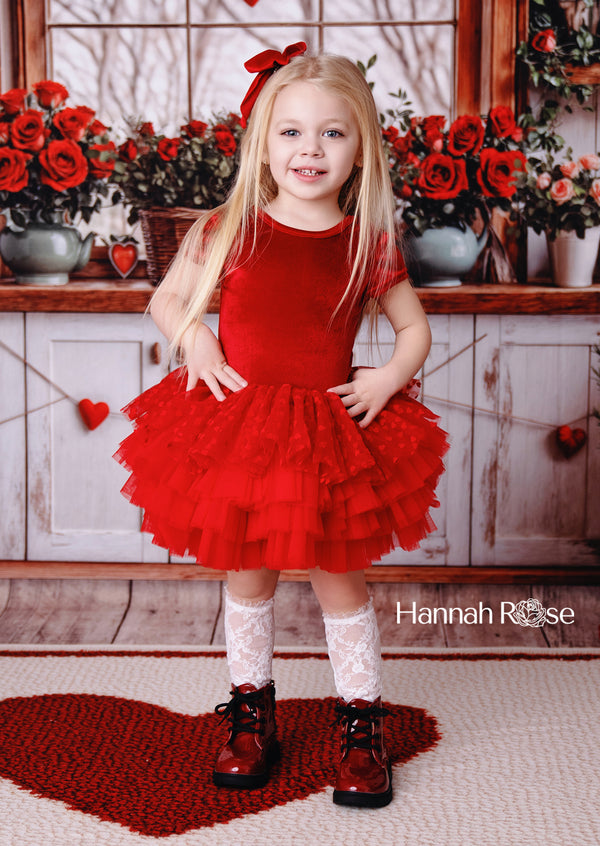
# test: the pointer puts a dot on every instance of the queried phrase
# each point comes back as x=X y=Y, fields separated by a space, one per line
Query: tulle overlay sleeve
x=280 y=476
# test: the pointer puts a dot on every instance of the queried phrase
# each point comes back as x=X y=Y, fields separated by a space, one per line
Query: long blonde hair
x=207 y=252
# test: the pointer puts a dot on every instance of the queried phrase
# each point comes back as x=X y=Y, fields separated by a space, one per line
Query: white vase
x=573 y=259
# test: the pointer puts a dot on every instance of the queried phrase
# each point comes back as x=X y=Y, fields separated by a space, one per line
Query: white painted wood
x=76 y=511
x=451 y=383
x=12 y=439
x=533 y=506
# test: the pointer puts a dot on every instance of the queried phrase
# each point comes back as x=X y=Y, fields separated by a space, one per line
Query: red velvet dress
x=279 y=475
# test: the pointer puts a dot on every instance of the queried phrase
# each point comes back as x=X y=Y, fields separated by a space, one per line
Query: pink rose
x=562 y=191
x=543 y=181
x=589 y=161
x=569 y=169
x=595 y=190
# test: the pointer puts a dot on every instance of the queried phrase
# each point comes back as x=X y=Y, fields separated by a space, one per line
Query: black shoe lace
x=359 y=724
x=243 y=719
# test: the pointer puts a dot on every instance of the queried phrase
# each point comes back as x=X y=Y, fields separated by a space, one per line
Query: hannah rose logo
x=528 y=612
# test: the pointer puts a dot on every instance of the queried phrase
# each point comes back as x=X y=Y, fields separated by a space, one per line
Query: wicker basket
x=163 y=231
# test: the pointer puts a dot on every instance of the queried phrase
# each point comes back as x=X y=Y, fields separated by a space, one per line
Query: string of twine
x=455 y=403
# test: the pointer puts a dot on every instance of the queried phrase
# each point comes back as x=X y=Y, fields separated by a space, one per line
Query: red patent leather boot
x=252 y=746
x=364 y=777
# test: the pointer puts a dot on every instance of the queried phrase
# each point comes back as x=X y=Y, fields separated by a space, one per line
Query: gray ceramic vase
x=439 y=257
x=45 y=253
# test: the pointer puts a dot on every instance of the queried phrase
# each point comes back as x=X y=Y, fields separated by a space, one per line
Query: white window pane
x=220 y=80
x=237 y=11
x=117 y=11
x=388 y=10
x=415 y=59
x=124 y=72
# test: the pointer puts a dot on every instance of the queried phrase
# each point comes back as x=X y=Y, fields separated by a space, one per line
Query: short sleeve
x=380 y=282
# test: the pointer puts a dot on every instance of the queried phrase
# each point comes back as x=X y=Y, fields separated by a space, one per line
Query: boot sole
x=355 y=799
x=249 y=781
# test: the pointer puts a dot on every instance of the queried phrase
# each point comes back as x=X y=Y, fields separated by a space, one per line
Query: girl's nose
x=312 y=146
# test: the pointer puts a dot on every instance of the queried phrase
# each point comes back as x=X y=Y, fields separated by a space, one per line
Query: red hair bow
x=263 y=65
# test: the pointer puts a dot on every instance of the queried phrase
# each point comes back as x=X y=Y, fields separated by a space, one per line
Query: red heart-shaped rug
x=570 y=440
x=93 y=413
x=150 y=769
x=123 y=258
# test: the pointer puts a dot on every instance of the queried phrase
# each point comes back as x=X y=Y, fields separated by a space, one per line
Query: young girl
x=267 y=452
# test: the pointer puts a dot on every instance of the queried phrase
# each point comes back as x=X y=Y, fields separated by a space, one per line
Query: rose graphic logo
x=530 y=612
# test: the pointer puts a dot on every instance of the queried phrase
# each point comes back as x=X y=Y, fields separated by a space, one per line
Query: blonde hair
x=209 y=251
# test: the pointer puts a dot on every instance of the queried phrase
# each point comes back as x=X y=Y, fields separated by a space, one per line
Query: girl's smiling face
x=312 y=145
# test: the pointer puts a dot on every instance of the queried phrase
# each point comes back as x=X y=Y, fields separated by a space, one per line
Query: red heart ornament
x=252 y=2
x=150 y=769
x=92 y=413
x=570 y=441
x=123 y=258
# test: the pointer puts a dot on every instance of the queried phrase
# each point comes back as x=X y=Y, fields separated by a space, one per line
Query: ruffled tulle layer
x=280 y=476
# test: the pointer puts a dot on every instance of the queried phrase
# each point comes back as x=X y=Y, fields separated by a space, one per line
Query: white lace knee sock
x=355 y=653
x=249 y=635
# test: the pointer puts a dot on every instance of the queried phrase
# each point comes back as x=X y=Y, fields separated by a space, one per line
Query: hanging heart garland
x=93 y=414
x=570 y=441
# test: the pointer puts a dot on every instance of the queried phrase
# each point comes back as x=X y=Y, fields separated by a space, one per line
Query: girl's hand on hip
x=368 y=392
x=205 y=360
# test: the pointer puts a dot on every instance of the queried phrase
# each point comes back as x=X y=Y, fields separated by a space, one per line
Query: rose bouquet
x=194 y=169
x=55 y=161
x=561 y=196
x=445 y=177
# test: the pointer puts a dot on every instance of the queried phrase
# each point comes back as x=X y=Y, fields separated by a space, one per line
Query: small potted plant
x=55 y=164
x=448 y=178
x=166 y=180
x=562 y=200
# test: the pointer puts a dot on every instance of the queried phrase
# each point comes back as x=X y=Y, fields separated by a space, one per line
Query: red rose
x=13 y=169
x=224 y=140
x=4 y=132
x=145 y=129
x=167 y=148
x=433 y=137
x=442 y=177
x=128 y=151
x=63 y=165
x=27 y=131
x=498 y=173
x=102 y=168
x=50 y=94
x=405 y=191
x=234 y=119
x=466 y=135
x=98 y=128
x=13 y=101
x=390 y=134
x=401 y=146
x=73 y=123
x=544 y=41
x=502 y=120
x=195 y=129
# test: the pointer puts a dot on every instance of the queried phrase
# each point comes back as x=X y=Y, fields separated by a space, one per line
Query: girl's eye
x=290 y=132
x=332 y=133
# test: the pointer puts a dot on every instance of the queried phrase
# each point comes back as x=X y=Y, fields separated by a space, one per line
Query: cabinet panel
x=12 y=439
x=448 y=392
x=75 y=509
x=533 y=506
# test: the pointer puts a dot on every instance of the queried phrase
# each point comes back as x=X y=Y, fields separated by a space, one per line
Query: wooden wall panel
x=12 y=439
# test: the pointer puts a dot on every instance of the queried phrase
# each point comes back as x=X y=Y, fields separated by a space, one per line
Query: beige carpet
x=104 y=747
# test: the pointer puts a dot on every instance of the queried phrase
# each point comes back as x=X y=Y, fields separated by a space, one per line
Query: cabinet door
x=448 y=392
x=12 y=438
x=75 y=508
x=532 y=506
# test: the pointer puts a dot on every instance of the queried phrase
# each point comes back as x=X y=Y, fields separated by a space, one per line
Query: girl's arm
x=371 y=388
x=203 y=353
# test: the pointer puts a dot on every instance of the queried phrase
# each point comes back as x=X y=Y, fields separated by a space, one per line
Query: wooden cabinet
x=532 y=506
x=500 y=384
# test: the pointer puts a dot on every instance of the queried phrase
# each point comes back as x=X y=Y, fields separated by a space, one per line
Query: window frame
x=488 y=32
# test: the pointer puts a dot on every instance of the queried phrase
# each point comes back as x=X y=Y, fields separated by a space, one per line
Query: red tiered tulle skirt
x=280 y=476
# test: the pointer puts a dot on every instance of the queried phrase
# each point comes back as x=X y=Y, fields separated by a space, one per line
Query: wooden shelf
x=110 y=296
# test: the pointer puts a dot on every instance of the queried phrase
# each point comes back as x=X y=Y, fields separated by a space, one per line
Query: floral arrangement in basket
x=55 y=161
x=194 y=169
x=560 y=41
x=561 y=195
x=447 y=176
